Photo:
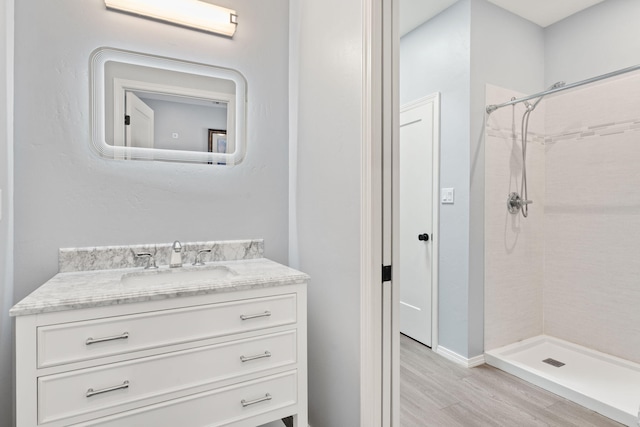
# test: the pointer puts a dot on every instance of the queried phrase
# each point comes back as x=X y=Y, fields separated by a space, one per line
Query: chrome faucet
x=151 y=261
x=176 y=255
x=198 y=260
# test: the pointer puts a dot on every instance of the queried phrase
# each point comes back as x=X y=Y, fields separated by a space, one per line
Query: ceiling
x=542 y=12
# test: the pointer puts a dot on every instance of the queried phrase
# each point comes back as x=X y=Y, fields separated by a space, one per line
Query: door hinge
x=127 y=120
x=386 y=273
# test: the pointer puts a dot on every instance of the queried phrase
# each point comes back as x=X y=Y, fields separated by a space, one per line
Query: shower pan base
x=603 y=383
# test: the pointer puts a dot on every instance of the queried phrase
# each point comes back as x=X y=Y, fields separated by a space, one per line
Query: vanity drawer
x=228 y=406
x=85 y=340
x=84 y=391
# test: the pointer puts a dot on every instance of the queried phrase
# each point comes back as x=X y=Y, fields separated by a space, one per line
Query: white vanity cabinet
x=233 y=358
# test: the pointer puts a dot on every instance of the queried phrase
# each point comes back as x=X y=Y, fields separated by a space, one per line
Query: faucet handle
x=151 y=261
x=198 y=261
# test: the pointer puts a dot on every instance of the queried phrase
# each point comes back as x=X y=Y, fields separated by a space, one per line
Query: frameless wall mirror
x=147 y=107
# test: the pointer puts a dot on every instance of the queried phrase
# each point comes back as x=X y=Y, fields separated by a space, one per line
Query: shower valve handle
x=423 y=237
x=515 y=203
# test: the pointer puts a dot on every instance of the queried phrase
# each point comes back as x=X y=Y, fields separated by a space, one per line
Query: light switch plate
x=446 y=195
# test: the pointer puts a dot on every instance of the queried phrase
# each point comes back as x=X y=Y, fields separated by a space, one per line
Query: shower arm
x=494 y=107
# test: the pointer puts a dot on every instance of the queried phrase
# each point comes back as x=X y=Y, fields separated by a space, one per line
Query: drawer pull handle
x=92 y=392
x=123 y=336
x=257 y=356
x=255 y=316
x=246 y=403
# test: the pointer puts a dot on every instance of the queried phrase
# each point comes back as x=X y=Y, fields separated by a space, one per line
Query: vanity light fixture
x=189 y=13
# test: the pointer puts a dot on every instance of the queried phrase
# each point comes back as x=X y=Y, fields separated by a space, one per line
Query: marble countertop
x=95 y=288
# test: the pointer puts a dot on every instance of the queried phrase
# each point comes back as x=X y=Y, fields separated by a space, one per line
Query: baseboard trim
x=460 y=360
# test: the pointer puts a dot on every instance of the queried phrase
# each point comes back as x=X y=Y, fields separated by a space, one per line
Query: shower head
x=556 y=85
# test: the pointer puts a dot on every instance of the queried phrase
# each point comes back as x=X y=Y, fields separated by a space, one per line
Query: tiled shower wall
x=514 y=246
x=592 y=217
x=585 y=239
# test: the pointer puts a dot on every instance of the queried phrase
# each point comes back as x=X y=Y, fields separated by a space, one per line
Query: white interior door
x=139 y=132
x=417 y=138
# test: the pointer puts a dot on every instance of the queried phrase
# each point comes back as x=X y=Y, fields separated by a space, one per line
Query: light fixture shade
x=190 y=13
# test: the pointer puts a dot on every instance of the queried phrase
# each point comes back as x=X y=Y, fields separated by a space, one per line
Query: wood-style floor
x=437 y=392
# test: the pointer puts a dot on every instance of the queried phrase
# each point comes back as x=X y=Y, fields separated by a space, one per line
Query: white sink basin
x=177 y=276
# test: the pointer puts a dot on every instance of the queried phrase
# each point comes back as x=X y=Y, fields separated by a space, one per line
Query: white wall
x=435 y=58
x=67 y=196
x=600 y=39
x=328 y=154
x=6 y=222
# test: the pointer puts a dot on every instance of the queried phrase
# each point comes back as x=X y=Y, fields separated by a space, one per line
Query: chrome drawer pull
x=257 y=356
x=253 y=402
x=255 y=316
x=123 y=336
x=92 y=392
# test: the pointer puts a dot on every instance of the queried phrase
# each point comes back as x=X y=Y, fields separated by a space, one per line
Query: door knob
x=423 y=237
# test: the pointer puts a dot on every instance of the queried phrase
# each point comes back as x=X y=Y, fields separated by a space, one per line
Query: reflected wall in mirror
x=147 y=107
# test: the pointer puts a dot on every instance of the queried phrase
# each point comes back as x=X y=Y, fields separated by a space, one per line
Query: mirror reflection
x=158 y=120
x=153 y=108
